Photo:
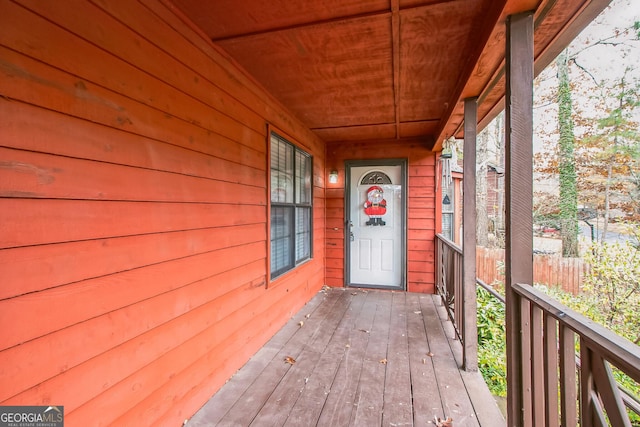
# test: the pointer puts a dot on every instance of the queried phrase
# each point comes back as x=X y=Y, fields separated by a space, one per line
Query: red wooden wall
x=421 y=208
x=133 y=221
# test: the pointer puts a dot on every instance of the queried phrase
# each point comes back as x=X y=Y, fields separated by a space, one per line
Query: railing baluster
x=525 y=361
x=587 y=408
x=537 y=366
x=608 y=392
x=568 y=377
x=458 y=300
x=551 y=371
x=599 y=419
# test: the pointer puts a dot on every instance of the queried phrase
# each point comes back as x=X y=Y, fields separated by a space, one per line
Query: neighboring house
x=495 y=198
x=167 y=189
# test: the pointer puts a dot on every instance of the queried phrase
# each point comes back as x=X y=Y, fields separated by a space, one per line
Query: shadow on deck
x=362 y=358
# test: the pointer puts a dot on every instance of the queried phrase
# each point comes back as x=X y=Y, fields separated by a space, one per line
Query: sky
x=608 y=61
x=603 y=62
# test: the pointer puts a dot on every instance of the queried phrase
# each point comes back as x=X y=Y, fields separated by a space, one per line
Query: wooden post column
x=469 y=310
x=519 y=207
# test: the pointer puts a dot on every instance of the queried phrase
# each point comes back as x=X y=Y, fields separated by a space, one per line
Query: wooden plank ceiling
x=383 y=69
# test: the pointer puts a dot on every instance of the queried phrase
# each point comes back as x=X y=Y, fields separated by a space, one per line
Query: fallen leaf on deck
x=444 y=423
x=290 y=360
x=383 y=361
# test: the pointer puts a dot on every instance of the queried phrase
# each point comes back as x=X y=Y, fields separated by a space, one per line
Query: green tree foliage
x=604 y=112
x=610 y=153
x=611 y=290
x=610 y=296
x=492 y=346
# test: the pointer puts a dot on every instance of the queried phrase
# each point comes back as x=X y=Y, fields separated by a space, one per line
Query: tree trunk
x=499 y=221
x=607 y=202
x=568 y=189
x=482 y=220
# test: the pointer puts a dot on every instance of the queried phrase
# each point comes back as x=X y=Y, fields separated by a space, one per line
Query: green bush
x=610 y=296
x=491 y=342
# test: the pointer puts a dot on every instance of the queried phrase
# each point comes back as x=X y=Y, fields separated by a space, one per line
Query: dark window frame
x=291 y=209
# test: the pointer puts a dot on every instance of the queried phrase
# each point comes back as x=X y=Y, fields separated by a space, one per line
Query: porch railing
x=449 y=281
x=557 y=386
x=555 y=389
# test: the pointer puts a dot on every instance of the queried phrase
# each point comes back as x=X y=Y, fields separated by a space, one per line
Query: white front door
x=375 y=243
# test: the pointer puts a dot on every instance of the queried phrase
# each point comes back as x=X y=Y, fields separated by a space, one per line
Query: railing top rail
x=449 y=243
x=492 y=291
x=621 y=352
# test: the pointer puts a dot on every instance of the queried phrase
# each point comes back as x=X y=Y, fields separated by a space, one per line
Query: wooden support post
x=469 y=310
x=519 y=206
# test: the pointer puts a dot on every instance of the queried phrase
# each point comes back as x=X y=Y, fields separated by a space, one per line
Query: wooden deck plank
x=213 y=411
x=397 y=408
x=280 y=403
x=426 y=398
x=455 y=399
x=338 y=378
x=308 y=407
x=487 y=411
x=263 y=375
x=341 y=400
x=370 y=393
x=245 y=409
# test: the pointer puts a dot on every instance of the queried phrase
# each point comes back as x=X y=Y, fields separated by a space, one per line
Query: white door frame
x=348 y=220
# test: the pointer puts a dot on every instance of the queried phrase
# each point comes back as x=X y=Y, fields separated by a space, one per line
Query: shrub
x=491 y=342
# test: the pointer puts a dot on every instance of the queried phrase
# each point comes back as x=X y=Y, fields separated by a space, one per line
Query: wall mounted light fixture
x=333 y=177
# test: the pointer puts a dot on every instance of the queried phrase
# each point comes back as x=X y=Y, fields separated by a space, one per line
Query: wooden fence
x=550 y=270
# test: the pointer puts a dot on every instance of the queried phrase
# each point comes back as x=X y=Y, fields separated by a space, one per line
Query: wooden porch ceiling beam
x=492 y=19
x=314 y=23
x=587 y=13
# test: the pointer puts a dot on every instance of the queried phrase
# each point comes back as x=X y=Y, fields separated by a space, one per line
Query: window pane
x=447 y=225
x=303 y=178
x=303 y=233
x=291 y=201
x=281 y=171
x=281 y=239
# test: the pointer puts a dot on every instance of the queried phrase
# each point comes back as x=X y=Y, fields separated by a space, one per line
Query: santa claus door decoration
x=376 y=206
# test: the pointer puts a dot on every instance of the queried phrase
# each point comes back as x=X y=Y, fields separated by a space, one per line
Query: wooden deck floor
x=362 y=358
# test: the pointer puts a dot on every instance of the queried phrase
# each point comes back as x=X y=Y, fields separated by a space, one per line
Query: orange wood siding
x=133 y=213
x=421 y=210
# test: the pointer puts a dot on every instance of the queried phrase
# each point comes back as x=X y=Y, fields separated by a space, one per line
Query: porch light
x=333 y=177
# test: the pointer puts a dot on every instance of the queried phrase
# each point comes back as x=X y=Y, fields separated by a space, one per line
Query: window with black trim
x=291 y=205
